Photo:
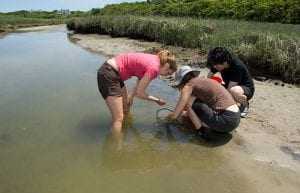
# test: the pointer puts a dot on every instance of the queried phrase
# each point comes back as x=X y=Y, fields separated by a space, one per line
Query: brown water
x=54 y=133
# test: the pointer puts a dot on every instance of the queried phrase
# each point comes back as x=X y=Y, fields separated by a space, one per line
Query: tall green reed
x=269 y=49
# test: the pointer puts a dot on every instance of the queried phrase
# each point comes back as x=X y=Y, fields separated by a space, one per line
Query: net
x=161 y=115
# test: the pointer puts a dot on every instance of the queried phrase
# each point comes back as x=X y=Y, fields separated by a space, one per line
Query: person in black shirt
x=235 y=74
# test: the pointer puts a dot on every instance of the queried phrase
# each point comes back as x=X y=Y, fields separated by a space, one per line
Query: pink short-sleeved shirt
x=137 y=64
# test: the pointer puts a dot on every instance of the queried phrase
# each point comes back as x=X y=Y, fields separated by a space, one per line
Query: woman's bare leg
x=194 y=118
x=115 y=106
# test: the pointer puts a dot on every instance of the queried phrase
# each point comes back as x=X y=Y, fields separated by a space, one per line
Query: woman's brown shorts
x=109 y=81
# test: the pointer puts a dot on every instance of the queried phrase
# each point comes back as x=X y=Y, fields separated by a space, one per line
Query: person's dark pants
x=224 y=121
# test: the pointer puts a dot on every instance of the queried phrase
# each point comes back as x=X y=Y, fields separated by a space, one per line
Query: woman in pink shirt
x=113 y=73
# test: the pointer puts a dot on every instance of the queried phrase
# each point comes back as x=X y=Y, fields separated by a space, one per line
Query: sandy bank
x=40 y=28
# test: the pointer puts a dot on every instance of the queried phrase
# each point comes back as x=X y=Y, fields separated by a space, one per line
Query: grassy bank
x=271 y=50
x=10 y=23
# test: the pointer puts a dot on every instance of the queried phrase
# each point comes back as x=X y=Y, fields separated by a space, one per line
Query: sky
x=50 y=5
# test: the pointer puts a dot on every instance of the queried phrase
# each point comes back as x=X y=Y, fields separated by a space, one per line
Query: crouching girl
x=207 y=102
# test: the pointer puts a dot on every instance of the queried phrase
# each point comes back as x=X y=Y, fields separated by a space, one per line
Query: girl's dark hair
x=187 y=78
x=218 y=55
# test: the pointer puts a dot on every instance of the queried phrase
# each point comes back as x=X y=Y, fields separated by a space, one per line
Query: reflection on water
x=191 y=164
x=158 y=150
x=54 y=133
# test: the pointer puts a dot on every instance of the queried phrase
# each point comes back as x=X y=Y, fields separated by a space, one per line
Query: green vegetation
x=10 y=23
x=17 y=20
x=270 y=49
x=283 y=11
x=13 y=20
x=56 y=14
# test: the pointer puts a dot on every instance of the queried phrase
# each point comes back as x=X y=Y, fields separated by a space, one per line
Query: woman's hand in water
x=127 y=104
x=129 y=101
x=170 y=118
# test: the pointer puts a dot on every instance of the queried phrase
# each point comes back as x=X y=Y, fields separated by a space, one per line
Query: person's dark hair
x=218 y=55
x=187 y=78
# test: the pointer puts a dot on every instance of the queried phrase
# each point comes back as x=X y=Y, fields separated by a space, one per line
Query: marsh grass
x=9 y=22
x=269 y=49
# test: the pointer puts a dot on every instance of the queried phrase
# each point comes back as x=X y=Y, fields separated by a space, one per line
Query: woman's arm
x=133 y=92
x=141 y=91
x=185 y=94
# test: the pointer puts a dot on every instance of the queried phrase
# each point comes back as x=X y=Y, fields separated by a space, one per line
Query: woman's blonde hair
x=166 y=57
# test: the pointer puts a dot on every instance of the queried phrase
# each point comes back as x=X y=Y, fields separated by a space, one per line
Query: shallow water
x=54 y=133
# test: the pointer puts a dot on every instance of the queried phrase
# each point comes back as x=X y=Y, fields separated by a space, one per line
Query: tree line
x=282 y=11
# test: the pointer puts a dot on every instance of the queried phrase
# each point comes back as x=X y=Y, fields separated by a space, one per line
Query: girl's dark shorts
x=224 y=121
x=109 y=81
